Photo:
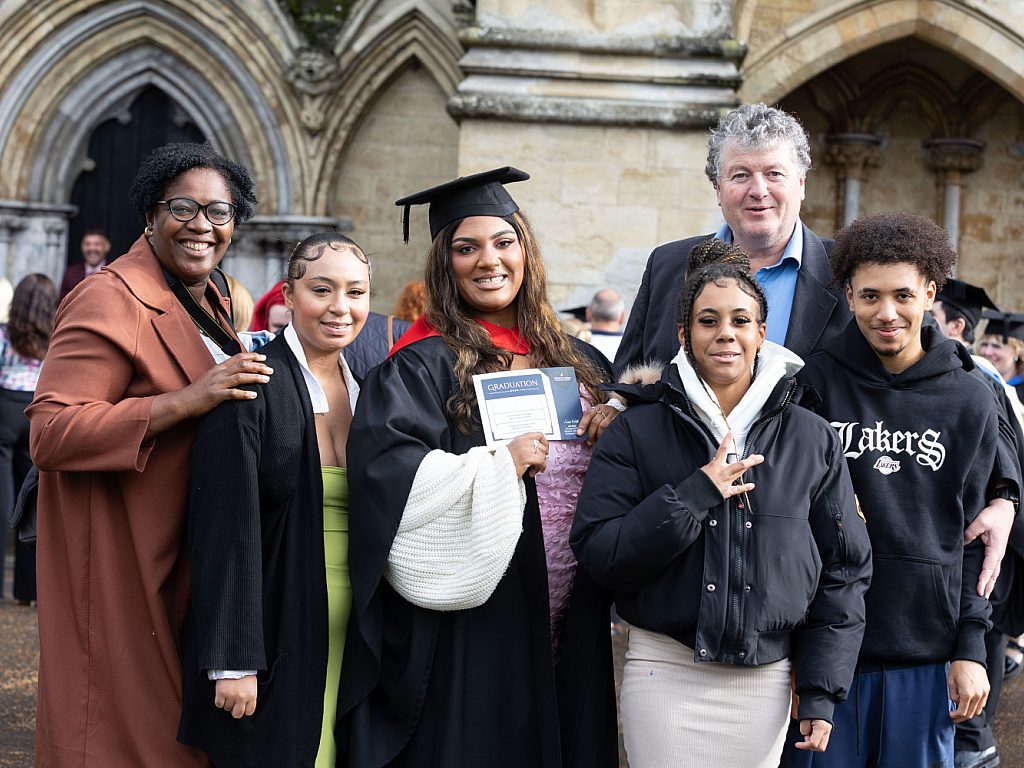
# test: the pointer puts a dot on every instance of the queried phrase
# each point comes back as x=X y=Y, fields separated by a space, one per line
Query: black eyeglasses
x=185 y=209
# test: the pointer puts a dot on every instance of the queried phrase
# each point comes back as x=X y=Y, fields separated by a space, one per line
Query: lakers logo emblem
x=887 y=466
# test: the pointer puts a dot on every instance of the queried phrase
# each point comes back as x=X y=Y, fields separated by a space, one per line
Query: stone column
x=9 y=225
x=32 y=238
x=951 y=159
x=852 y=154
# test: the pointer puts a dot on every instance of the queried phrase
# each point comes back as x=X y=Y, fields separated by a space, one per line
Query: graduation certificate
x=545 y=400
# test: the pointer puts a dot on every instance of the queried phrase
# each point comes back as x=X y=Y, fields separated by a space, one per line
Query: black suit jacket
x=819 y=312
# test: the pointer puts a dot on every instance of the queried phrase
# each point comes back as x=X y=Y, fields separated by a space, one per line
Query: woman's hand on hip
x=236 y=696
x=724 y=473
x=218 y=384
x=530 y=453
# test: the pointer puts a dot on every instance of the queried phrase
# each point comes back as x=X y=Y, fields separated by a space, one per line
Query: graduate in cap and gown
x=1003 y=346
x=475 y=640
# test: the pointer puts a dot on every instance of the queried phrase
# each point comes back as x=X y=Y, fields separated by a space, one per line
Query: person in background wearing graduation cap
x=957 y=311
x=1003 y=346
x=479 y=642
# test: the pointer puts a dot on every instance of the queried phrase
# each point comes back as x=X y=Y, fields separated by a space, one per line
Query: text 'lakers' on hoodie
x=924 y=454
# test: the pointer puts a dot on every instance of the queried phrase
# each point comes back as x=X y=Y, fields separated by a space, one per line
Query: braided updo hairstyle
x=715 y=261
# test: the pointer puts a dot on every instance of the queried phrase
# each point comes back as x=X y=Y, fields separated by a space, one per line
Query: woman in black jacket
x=268 y=533
x=727 y=568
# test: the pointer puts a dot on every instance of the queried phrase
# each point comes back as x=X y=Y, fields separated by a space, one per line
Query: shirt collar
x=794 y=248
x=316 y=392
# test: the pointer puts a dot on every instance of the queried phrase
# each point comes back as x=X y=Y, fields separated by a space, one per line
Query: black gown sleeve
x=225 y=537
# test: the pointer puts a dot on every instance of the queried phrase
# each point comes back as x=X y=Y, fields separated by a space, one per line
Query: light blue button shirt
x=778 y=282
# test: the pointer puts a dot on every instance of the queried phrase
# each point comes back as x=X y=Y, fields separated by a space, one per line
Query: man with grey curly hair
x=758 y=159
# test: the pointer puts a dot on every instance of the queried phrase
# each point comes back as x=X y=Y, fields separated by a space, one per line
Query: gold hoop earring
x=148 y=232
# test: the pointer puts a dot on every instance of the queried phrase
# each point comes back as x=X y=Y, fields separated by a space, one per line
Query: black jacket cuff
x=698 y=493
x=815 y=705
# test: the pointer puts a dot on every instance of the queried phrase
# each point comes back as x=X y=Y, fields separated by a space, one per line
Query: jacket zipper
x=737 y=511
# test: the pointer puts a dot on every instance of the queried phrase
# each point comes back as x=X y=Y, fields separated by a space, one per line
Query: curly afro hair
x=164 y=164
x=893 y=238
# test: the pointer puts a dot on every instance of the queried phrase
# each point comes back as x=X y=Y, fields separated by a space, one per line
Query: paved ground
x=19 y=654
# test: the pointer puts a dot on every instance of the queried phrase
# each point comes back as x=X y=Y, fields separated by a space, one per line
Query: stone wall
x=600 y=197
x=407 y=142
x=991 y=200
x=606 y=102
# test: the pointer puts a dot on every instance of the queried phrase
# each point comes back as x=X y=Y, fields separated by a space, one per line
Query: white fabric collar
x=316 y=392
x=775 y=363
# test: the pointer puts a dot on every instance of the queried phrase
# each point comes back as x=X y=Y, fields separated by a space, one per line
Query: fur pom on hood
x=643 y=374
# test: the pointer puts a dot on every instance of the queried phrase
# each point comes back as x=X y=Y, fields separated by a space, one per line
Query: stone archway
x=844 y=29
x=60 y=93
x=908 y=126
x=399 y=40
x=92 y=61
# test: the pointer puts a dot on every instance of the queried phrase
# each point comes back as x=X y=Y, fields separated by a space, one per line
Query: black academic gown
x=470 y=688
x=259 y=588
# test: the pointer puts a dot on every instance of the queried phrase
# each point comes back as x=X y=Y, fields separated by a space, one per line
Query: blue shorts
x=896 y=717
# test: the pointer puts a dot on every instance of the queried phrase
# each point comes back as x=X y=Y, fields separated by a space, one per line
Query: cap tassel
x=405 y=225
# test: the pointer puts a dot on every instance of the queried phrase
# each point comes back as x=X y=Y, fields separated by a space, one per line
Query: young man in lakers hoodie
x=922 y=442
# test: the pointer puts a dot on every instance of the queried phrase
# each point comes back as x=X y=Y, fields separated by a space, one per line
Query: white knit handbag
x=459 y=530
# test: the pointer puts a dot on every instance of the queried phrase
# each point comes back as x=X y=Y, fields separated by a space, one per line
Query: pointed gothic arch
x=844 y=29
x=401 y=39
x=96 y=61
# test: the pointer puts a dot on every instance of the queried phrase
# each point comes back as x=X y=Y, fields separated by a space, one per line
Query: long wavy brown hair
x=471 y=344
x=31 y=319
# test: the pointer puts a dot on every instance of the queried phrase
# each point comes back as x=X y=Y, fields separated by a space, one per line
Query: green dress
x=339 y=601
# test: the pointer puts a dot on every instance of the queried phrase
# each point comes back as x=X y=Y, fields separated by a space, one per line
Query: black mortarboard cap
x=580 y=313
x=480 y=194
x=969 y=299
x=1004 y=324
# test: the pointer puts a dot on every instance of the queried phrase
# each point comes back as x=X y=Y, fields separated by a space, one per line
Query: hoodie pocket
x=910 y=616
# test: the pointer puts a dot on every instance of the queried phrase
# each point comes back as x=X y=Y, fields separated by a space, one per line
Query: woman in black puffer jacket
x=728 y=570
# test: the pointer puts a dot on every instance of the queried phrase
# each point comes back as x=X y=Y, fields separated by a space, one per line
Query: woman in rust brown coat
x=127 y=374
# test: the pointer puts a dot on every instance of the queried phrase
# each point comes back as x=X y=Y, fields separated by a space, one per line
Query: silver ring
x=536 y=445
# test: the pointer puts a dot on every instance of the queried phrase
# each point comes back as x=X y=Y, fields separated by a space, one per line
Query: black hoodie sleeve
x=993 y=466
x=826 y=646
x=624 y=537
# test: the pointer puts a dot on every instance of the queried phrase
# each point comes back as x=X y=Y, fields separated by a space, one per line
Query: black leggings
x=14 y=465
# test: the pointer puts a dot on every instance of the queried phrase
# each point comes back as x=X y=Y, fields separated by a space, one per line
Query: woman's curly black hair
x=164 y=164
x=893 y=238
x=715 y=261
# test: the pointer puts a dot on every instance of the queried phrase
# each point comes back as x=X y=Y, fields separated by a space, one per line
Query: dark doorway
x=117 y=147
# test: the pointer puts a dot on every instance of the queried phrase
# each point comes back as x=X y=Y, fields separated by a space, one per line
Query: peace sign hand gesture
x=723 y=474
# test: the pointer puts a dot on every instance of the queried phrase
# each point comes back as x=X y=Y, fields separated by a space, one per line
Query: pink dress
x=558 y=490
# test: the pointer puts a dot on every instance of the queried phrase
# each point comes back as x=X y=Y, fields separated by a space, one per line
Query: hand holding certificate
x=544 y=400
